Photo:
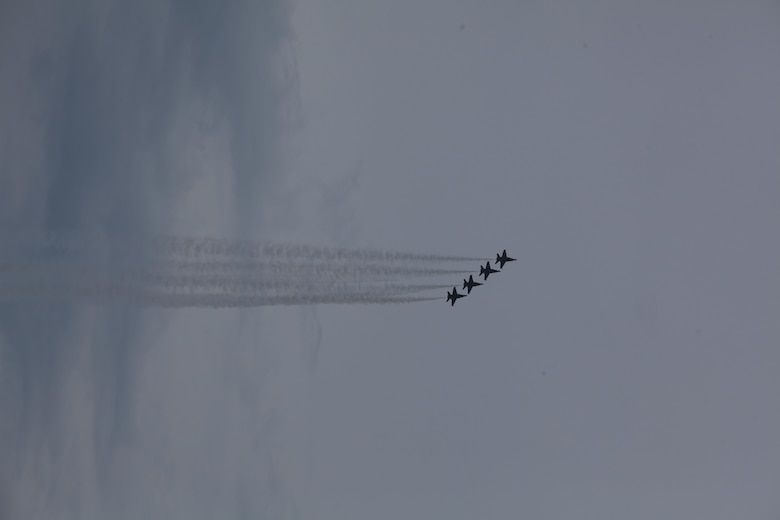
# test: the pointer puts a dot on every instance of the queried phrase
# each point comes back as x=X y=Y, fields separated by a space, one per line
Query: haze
x=625 y=366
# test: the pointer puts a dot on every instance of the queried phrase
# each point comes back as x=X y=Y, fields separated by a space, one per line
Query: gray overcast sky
x=625 y=152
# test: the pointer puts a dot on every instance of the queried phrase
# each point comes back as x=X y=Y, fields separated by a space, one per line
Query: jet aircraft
x=470 y=283
x=452 y=296
x=502 y=259
x=486 y=270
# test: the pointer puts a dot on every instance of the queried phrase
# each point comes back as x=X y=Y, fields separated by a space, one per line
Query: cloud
x=139 y=117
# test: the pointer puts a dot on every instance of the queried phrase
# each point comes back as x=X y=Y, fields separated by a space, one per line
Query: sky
x=624 y=152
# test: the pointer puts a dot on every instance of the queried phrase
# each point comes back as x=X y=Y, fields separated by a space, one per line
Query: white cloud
x=141 y=117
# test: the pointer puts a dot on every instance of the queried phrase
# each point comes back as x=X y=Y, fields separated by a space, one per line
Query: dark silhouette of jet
x=502 y=259
x=485 y=271
x=470 y=284
x=452 y=296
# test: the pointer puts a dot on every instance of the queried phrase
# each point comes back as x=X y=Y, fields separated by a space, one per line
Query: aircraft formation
x=484 y=272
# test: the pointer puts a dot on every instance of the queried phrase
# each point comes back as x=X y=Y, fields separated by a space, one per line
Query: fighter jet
x=502 y=259
x=485 y=271
x=452 y=296
x=470 y=283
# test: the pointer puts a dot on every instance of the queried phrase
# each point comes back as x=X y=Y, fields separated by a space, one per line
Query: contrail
x=341 y=270
x=142 y=298
x=191 y=274
x=214 y=283
x=59 y=245
x=244 y=285
x=215 y=247
x=171 y=271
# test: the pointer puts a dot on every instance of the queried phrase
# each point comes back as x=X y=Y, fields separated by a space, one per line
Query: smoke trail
x=208 y=272
x=63 y=245
x=223 y=284
x=199 y=247
x=249 y=269
x=185 y=275
x=342 y=270
x=245 y=285
x=123 y=295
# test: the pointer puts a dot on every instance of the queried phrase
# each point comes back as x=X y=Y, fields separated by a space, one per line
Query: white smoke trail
x=277 y=270
x=237 y=283
x=101 y=294
x=245 y=277
x=62 y=244
x=330 y=270
x=224 y=248
x=186 y=272
x=259 y=285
